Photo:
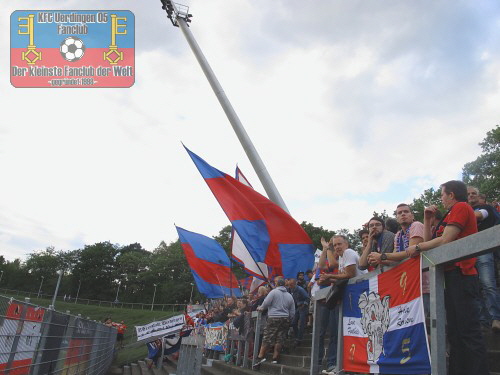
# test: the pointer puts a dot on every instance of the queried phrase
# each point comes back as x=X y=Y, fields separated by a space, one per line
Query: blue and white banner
x=384 y=323
x=215 y=337
x=160 y=328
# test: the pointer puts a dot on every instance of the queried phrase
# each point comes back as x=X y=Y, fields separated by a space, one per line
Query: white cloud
x=346 y=103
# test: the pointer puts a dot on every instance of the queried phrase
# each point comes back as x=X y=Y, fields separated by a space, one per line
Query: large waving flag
x=239 y=251
x=384 y=324
x=210 y=265
x=269 y=233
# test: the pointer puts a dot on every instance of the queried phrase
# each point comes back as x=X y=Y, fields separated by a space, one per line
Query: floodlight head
x=176 y=11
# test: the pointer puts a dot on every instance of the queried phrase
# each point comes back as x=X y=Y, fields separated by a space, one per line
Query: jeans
x=299 y=321
x=467 y=349
x=489 y=303
x=329 y=322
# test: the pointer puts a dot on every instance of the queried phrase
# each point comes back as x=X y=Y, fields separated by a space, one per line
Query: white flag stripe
x=256 y=283
x=401 y=316
x=373 y=282
x=241 y=178
x=241 y=253
x=406 y=315
x=352 y=327
x=374 y=369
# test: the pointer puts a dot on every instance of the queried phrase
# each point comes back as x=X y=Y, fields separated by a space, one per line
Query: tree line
x=105 y=271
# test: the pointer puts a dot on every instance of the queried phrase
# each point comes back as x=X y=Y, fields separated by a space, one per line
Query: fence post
x=315 y=339
x=438 y=319
x=340 y=341
x=256 y=338
x=15 y=342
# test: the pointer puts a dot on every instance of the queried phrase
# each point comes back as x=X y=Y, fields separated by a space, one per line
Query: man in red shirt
x=121 y=327
x=467 y=350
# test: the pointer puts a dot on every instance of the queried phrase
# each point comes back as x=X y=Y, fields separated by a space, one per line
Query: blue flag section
x=269 y=233
x=384 y=323
x=210 y=265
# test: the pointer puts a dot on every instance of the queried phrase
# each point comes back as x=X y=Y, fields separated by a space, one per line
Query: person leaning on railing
x=467 y=349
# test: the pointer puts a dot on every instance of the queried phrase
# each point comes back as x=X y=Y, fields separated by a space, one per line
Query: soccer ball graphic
x=72 y=48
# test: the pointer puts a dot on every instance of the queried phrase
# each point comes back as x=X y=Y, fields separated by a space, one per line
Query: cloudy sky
x=354 y=106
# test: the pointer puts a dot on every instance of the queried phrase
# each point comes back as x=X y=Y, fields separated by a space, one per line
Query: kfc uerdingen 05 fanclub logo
x=72 y=48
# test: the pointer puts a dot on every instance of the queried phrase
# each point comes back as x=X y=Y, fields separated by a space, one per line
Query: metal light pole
x=118 y=291
x=179 y=18
x=154 y=295
x=191 y=296
x=40 y=289
x=78 y=292
x=60 y=272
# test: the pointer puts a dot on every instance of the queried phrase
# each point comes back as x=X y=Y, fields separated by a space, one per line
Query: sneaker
x=275 y=361
x=495 y=325
x=329 y=371
x=259 y=361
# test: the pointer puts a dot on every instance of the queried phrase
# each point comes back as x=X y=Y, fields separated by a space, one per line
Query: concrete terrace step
x=492 y=340
x=301 y=350
x=225 y=369
x=494 y=360
x=292 y=360
x=222 y=368
x=278 y=369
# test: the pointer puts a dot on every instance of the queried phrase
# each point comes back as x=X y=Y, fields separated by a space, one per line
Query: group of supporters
x=471 y=295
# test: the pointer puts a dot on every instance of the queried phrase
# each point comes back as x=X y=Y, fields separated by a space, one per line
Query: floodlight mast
x=180 y=17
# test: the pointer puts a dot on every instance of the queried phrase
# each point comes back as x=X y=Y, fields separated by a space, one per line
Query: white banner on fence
x=160 y=328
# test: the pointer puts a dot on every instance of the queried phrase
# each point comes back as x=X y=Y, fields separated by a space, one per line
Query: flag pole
x=179 y=15
x=221 y=288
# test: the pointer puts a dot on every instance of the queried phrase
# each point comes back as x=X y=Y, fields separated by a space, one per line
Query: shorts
x=119 y=337
x=275 y=331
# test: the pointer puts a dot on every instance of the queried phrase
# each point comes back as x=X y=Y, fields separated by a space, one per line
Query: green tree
x=96 y=270
x=16 y=276
x=315 y=233
x=484 y=172
x=171 y=271
x=427 y=198
x=224 y=238
x=131 y=263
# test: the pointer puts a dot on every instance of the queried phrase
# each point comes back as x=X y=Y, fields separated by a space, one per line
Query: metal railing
x=38 y=341
x=477 y=244
x=85 y=301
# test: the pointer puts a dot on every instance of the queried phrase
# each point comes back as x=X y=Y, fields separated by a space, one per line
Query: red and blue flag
x=210 y=265
x=384 y=323
x=246 y=282
x=240 y=253
x=269 y=233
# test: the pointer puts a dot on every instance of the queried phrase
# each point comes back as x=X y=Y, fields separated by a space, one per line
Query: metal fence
x=236 y=347
x=85 y=301
x=38 y=341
